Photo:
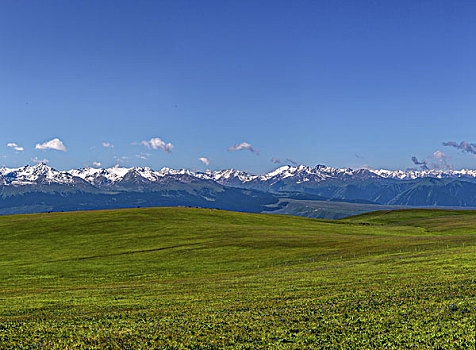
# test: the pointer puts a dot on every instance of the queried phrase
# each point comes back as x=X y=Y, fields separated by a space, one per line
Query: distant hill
x=428 y=191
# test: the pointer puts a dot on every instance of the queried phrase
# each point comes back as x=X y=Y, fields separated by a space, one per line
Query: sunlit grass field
x=209 y=279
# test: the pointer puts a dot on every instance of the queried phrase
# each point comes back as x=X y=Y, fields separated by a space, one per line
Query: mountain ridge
x=43 y=188
x=301 y=173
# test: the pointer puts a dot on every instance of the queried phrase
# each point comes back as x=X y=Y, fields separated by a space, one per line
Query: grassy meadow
x=184 y=278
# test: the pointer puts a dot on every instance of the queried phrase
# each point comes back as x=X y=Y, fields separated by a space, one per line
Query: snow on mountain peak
x=42 y=173
x=39 y=173
x=95 y=175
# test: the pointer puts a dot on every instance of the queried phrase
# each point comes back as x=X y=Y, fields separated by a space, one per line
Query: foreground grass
x=198 y=278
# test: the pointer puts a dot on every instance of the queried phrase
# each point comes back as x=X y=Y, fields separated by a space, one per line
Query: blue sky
x=341 y=83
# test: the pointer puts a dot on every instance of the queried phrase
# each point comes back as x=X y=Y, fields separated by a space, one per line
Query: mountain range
x=42 y=188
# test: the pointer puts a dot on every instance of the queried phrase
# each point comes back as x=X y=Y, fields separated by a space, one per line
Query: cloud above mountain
x=54 y=144
x=15 y=146
x=204 y=160
x=157 y=143
x=438 y=160
x=423 y=165
x=143 y=156
x=243 y=146
x=275 y=160
x=121 y=159
x=38 y=160
x=441 y=160
x=463 y=146
x=107 y=145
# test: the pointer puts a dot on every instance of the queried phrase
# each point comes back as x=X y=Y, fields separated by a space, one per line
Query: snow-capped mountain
x=42 y=188
x=117 y=176
x=34 y=175
x=44 y=174
x=302 y=174
x=431 y=173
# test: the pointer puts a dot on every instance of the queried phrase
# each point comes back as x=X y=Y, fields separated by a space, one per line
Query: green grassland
x=209 y=279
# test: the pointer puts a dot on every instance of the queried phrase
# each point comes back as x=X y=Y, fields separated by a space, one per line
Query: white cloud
x=15 y=146
x=204 y=160
x=98 y=164
x=243 y=146
x=442 y=160
x=157 y=143
x=37 y=160
x=55 y=144
x=107 y=145
x=143 y=156
x=121 y=160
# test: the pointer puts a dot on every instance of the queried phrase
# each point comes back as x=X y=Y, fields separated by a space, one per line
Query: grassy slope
x=177 y=277
x=405 y=215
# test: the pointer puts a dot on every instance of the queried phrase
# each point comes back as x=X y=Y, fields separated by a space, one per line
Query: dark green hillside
x=429 y=191
x=417 y=192
x=202 y=278
x=14 y=200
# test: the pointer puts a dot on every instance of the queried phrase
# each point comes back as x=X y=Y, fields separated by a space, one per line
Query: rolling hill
x=202 y=278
